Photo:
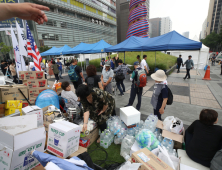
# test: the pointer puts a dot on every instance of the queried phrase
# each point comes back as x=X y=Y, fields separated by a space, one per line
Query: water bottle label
x=105 y=143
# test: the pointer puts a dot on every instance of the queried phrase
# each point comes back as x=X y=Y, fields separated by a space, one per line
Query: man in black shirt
x=79 y=73
x=179 y=62
x=4 y=67
x=213 y=60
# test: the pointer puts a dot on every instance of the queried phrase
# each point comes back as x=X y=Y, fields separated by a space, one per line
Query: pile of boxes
x=11 y=106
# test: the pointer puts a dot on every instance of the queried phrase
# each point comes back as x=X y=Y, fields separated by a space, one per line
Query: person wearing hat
x=106 y=77
x=160 y=93
x=189 y=65
x=134 y=89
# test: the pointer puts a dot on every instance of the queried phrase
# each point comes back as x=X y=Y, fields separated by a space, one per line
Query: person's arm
x=104 y=100
x=164 y=93
x=163 y=106
x=192 y=64
x=100 y=85
x=133 y=75
x=109 y=80
x=26 y=11
x=83 y=79
x=104 y=109
x=146 y=69
x=85 y=121
x=117 y=69
x=102 y=80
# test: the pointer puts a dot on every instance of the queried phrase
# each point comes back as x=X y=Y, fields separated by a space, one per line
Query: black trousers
x=76 y=84
x=179 y=65
x=57 y=77
x=156 y=112
x=14 y=79
x=102 y=127
x=188 y=138
x=135 y=91
x=118 y=83
x=188 y=73
x=221 y=71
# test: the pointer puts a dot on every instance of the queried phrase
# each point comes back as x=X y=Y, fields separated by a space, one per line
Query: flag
x=7 y=33
x=33 y=50
x=16 y=52
x=22 y=41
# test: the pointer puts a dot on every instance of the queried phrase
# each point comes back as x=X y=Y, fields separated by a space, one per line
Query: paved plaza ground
x=190 y=95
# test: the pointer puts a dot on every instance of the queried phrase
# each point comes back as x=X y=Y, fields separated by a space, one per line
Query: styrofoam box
x=129 y=115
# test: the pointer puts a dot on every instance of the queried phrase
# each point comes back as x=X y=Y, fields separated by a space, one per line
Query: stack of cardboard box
x=36 y=83
x=11 y=106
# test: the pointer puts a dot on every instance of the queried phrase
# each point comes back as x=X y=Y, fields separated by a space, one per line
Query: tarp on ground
x=48 y=52
x=61 y=50
x=170 y=41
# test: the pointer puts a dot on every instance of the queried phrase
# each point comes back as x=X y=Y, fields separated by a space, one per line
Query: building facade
x=122 y=7
x=155 y=27
x=166 y=25
x=214 y=18
x=186 y=34
x=74 y=21
x=203 y=32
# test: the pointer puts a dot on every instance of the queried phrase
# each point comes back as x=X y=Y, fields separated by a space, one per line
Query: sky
x=186 y=15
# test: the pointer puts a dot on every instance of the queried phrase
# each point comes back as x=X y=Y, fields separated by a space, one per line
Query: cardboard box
x=129 y=115
x=12 y=110
x=33 y=93
x=93 y=136
x=49 y=118
x=178 y=139
x=2 y=109
x=30 y=110
x=27 y=75
x=25 y=103
x=18 y=141
x=2 y=115
x=35 y=83
x=17 y=104
x=63 y=138
x=149 y=160
x=12 y=93
x=78 y=152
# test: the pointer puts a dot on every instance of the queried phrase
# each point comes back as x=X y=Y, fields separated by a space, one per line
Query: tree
x=5 y=49
x=211 y=41
x=44 y=48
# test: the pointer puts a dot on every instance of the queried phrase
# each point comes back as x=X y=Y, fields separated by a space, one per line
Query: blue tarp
x=170 y=41
x=61 y=50
x=52 y=50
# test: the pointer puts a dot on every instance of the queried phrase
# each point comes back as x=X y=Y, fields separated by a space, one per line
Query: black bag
x=90 y=82
x=170 y=97
x=119 y=75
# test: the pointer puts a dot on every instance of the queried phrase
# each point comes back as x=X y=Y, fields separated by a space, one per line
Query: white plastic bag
x=177 y=126
x=130 y=166
x=168 y=121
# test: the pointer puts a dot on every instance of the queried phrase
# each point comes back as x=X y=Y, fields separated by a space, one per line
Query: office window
x=51 y=36
x=45 y=36
x=50 y=22
x=76 y=26
x=63 y=24
x=70 y=26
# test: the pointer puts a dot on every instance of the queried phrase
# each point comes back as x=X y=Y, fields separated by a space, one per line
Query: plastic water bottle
x=160 y=138
x=175 y=152
x=164 y=143
x=106 y=141
x=102 y=139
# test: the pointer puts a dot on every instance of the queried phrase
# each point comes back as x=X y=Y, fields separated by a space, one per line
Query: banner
x=6 y=24
x=22 y=41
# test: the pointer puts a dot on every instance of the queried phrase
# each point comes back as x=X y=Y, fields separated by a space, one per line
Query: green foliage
x=44 y=48
x=212 y=40
x=5 y=49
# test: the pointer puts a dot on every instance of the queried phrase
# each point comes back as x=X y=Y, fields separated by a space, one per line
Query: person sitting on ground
x=160 y=93
x=203 y=138
x=72 y=99
x=106 y=77
x=98 y=105
x=93 y=80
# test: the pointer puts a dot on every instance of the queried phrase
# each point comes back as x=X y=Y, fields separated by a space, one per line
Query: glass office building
x=74 y=21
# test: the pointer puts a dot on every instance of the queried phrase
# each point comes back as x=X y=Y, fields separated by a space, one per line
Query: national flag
x=7 y=33
x=22 y=41
x=33 y=50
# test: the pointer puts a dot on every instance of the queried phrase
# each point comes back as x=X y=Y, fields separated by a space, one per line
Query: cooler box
x=129 y=115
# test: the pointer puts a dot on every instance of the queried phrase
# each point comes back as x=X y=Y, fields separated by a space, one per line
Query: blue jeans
x=60 y=73
x=118 y=83
x=135 y=91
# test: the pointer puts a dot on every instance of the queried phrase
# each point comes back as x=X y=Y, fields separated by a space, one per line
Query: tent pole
x=198 y=64
x=155 y=61
x=124 y=57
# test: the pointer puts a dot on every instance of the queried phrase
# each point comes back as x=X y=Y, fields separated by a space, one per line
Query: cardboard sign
x=33 y=93
x=35 y=83
x=63 y=138
x=27 y=75
x=30 y=110
x=149 y=160
x=19 y=136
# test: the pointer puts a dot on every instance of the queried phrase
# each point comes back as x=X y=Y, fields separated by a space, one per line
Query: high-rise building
x=186 y=34
x=204 y=30
x=155 y=27
x=166 y=25
x=214 y=18
x=74 y=21
x=122 y=7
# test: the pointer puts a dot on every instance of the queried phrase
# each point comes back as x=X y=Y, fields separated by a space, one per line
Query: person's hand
x=29 y=11
x=84 y=128
x=161 y=111
x=83 y=79
x=100 y=113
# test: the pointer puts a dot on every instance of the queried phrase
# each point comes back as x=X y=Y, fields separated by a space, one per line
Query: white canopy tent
x=204 y=55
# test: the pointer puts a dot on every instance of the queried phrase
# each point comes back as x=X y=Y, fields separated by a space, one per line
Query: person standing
x=55 y=68
x=144 y=64
x=112 y=63
x=121 y=69
x=221 y=67
x=60 y=68
x=4 y=67
x=189 y=65
x=106 y=78
x=179 y=62
x=102 y=63
x=93 y=80
x=138 y=58
x=13 y=71
x=50 y=69
x=76 y=70
x=135 y=90
x=160 y=93
x=117 y=60
x=213 y=59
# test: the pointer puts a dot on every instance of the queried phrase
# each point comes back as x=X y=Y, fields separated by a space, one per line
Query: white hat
x=159 y=75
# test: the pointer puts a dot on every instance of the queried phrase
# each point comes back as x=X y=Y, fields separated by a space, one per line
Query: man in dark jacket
x=179 y=62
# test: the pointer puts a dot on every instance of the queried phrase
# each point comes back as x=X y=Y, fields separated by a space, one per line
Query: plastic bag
x=177 y=126
x=168 y=121
x=130 y=166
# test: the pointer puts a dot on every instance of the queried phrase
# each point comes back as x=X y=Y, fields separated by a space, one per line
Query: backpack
x=216 y=163
x=119 y=75
x=141 y=78
x=170 y=97
x=72 y=74
x=90 y=82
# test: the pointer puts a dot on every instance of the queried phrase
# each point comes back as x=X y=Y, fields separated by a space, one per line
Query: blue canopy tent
x=61 y=50
x=48 y=52
x=77 y=49
x=99 y=47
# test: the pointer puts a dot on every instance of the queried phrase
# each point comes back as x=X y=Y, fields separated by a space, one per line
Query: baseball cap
x=136 y=63
x=107 y=63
